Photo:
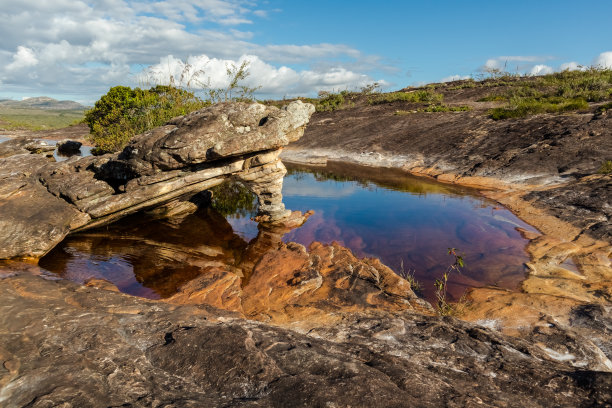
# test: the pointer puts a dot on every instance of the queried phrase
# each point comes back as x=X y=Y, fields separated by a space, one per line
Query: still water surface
x=374 y=212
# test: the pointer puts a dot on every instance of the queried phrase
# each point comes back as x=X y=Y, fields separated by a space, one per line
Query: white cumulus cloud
x=83 y=47
x=512 y=63
x=454 y=78
x=24 y=57
x=604 y=60
x=202 y=71
x=541 y=70
x=571 y=66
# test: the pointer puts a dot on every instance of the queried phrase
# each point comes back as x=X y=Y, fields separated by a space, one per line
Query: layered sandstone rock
x=170 y=164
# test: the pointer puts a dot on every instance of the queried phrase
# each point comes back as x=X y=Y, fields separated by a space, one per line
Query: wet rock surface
x=293 y=286
x=542 y=167
x=172 y=163
x=586 y=203
x=68 y=344
x=469 y=148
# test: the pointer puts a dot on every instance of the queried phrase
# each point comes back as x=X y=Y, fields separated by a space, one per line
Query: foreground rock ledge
x=41 y=201
x=68 y=345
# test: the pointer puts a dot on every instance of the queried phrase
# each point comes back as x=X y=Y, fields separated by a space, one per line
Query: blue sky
x=73 y=49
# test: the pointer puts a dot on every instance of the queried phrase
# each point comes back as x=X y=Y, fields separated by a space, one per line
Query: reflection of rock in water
x=162 y=255
x=281 y=281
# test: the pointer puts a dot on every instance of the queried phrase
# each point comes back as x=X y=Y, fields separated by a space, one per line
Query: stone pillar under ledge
x=266 y=182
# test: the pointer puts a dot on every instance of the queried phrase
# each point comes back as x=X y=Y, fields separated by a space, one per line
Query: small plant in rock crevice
x=408 y=274
x=443 y=307
x=606 y=167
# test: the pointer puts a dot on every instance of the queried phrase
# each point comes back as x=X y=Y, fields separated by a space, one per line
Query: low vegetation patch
x=531 y=106
x=559 y=92
x=435 y=108
x=493 y=98
x=38 y=119
x=328 y=101
x=331 y=101
x=418 y=96
x=604 y=108
x=445 y=108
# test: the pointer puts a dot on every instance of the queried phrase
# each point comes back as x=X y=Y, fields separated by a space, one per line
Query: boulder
x=220 y=131
x=68 y=147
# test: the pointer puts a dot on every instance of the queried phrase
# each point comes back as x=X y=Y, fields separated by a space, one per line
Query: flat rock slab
x=68 y=345
x=33 y=221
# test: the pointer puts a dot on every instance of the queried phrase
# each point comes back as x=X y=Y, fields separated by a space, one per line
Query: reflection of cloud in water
x=245 y=227
x=516 y=224
x=324 y=190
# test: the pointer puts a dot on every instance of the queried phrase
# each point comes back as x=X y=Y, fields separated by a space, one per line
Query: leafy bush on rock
x=125 y=112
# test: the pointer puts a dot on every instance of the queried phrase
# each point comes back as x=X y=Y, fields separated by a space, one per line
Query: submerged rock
x=285 y=283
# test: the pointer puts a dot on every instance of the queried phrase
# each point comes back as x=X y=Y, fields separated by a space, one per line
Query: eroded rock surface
x=290 y=285
x=221 y=131
x=32 y=220
x=170 y=164
x=587 y=204
x=65 y=344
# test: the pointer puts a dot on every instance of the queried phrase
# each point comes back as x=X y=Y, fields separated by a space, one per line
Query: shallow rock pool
x=405 y=221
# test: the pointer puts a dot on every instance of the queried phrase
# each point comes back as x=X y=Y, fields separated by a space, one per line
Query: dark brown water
x=376 y=213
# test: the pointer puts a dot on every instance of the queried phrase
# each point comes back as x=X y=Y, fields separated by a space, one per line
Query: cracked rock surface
x=68 y=345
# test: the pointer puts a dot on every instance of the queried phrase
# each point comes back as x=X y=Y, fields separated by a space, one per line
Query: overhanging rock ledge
x=41 y=201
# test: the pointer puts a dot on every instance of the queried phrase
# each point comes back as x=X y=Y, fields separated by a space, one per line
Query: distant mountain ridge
x=42 y=102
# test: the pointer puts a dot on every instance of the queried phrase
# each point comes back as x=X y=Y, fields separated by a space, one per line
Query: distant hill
x=41 y=102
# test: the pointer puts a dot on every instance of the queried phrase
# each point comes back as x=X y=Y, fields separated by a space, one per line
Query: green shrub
x=328 y=102
x=125 y=112
x=233 y=198
x=421 y=95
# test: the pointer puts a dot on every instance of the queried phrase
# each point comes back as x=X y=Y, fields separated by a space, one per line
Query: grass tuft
x=606 y=167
